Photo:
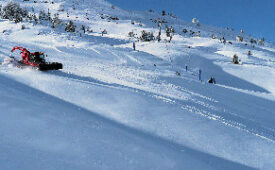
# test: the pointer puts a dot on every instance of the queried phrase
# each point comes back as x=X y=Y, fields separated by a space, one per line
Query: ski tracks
x=187 y=100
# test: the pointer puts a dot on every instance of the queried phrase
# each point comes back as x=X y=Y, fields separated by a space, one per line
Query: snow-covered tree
x=168 y=31
x=131 y=34
x=24 y=12
x=23 y=27
x=184 y=30
x=49 y=15
x=29 y=17
x=239 y=38
x=56 y=21
x=61 y=8
x=83 y=28
x=261 y=41
x=70 y=27
x=235 y=59
x=43 y=15
x=253 y=41
x=213 y=36
x=196 y=21
x=146 y=36
x=35 y=19
x=13 y=11
x=18 y=18
x=223 y=40
x=198 y=34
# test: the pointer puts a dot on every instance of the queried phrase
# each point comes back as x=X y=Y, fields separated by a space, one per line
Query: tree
x=239 y=38
x=13 y=11
x=42 y=15
x=235 y=59
x=253 y=41
x=35 y=18
x=49 y=15
x=146 y=36
x=56 y=21
x=184 y=31
x=213 y=36
x=261 y=41
x=24 y=12
x=70 y=27
x=23 y=27
x=18 y=18
x=196 y=21
x=168 y=31
x=131 y=34
x=83 y=28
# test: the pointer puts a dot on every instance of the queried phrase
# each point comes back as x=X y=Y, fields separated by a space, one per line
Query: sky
x=255 y=17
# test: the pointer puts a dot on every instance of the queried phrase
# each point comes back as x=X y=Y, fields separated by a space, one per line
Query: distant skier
x=134 y=46
x=200 y=74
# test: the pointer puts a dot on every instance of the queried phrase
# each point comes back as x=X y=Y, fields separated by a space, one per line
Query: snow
x=115 y=108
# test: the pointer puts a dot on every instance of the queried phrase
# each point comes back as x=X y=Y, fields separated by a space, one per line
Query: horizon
x=254 y=17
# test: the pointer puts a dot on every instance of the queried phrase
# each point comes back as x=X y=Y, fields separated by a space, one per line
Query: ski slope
x=115 y=108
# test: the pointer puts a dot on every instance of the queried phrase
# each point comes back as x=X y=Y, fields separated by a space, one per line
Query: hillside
x=111 y=107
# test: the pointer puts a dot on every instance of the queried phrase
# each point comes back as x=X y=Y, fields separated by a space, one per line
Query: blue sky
x=256 y=17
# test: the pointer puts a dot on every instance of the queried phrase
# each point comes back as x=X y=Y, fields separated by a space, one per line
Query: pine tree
x=146 y=36
x=49 y=15
x=235 y=59
x=168 y=31
x=70 y=27
x=42 y=15
x=56 y=21
x=13 y=11
x=34 y=18
x=83 y=28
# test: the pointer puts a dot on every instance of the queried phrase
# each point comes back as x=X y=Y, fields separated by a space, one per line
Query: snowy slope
x=115 y=108
x=53 y=134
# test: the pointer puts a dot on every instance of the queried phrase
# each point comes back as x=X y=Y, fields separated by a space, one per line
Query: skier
x=134 y=46
x=200 y=74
